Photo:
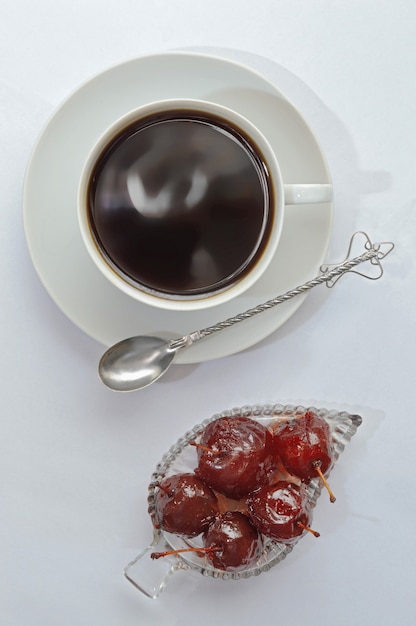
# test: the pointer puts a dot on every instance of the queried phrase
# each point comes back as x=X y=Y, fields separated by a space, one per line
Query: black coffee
x=181 y=203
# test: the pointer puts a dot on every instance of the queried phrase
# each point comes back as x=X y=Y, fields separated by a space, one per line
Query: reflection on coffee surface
x=180 y=203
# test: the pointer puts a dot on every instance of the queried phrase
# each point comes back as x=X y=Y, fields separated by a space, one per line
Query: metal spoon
x=137 y=362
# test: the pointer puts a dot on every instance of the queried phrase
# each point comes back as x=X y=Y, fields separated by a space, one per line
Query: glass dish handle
x=149 y=575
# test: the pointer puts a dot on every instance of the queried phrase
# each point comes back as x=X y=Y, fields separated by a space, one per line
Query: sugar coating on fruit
x=281 y=511
x=235 y=455
x=303 y=445
x=185 y=505
x=236 y=543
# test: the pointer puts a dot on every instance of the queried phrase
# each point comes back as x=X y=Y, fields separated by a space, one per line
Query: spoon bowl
x=118 y=367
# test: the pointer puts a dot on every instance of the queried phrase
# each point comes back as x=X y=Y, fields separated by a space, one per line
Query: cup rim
x=158 y=299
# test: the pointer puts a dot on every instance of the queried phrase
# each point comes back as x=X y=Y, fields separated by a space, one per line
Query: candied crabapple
x=305 y=447
x=231 y=543
x=185 y=505
x=281 y=511
x=235 y=455
x=234 y=541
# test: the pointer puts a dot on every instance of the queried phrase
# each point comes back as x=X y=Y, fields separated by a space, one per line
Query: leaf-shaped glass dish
x=151 y=576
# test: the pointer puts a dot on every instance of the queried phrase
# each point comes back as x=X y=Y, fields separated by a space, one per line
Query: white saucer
x=50 y=194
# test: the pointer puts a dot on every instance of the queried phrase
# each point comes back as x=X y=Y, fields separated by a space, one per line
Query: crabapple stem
x=158 y=555
x=163 y=488
x=310 y=530
x=204 y=448
x=317 y=466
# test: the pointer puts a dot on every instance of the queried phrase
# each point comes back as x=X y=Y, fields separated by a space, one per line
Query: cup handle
x=149 y=575
x=307 y=193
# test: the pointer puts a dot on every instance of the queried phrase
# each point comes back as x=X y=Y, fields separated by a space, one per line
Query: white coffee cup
x=181 y=204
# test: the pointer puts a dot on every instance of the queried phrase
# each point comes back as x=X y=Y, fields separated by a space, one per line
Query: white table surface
x=76 y=458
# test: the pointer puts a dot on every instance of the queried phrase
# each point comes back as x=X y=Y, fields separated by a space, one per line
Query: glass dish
x=151 y=576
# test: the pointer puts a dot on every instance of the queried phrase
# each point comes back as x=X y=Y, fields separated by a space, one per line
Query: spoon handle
x=330 y=274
